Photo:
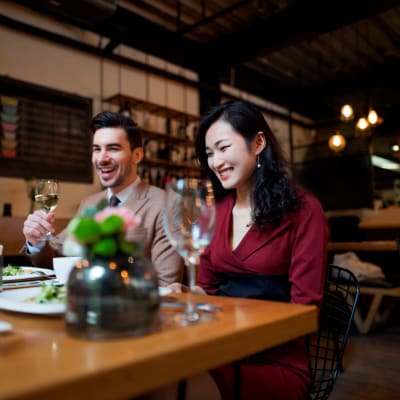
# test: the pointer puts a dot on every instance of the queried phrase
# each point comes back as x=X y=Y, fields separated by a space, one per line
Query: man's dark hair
x=109 y=119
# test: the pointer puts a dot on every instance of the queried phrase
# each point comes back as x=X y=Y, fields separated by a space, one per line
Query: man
x=116 y=152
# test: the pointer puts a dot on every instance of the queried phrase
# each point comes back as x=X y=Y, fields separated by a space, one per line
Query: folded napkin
x=9 y=143
x=361 y=269
x=8 y=126
x=9 y=101
x=9 y=135
x=11 y=110
x=12 y=119
x=9 y=153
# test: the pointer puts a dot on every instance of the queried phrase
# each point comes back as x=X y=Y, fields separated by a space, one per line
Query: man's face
x=113 y=159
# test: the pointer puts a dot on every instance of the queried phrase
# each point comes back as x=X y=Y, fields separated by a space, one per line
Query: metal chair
x=327 y=346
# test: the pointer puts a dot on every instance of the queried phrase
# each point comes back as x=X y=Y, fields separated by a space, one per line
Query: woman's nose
x=217 y=161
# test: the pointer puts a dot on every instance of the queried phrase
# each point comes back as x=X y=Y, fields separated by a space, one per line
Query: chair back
x=326 y=347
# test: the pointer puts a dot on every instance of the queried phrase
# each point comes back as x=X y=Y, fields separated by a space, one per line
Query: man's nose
x=102 y=155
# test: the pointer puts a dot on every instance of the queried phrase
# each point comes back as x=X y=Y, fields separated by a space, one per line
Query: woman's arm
x=309 y=254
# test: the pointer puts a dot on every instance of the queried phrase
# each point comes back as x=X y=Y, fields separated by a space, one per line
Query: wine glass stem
x=191 y=305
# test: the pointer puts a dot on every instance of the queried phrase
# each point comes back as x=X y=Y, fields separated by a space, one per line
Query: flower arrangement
x=101 y=231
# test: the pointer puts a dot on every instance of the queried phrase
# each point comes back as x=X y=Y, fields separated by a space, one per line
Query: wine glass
x=189 y=220
x=46 y=196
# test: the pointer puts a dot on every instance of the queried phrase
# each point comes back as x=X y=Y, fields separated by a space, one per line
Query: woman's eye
x=223 y=148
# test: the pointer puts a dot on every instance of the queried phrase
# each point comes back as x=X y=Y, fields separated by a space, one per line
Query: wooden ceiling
x=306 y=55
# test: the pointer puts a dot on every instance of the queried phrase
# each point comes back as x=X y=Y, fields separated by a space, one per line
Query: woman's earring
x=258 y=161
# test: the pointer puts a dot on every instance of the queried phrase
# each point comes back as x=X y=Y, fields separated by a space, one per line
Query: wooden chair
x=327 y=346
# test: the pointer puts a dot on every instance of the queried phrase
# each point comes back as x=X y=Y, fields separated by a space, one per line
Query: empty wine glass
x=46 y=196
x=189 y=220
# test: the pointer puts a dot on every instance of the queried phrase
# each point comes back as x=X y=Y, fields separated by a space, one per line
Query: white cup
x=63 y=266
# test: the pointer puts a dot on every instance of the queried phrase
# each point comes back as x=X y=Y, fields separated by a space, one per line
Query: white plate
x=29 y=273
x=17 y=300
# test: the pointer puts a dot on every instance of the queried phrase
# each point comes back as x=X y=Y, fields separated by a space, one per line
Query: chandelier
x=337 y=141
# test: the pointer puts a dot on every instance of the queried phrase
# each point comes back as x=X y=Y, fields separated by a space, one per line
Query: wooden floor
x=371 y=366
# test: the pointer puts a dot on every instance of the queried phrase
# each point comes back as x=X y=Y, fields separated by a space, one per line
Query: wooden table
x=373 y=314
x=367 y=245
x=38 y=360
x=382 y=219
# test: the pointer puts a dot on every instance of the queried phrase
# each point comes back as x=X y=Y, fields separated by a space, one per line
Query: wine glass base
x=186 y=319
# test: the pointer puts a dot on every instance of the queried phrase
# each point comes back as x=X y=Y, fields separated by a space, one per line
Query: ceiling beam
x=89 y=49
x=126 y=27
x=290 y=26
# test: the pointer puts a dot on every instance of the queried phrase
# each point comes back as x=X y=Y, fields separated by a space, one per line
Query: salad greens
x=50 y=293
x=13 y=270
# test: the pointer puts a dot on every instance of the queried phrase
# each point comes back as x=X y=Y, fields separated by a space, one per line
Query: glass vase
x=112 y=298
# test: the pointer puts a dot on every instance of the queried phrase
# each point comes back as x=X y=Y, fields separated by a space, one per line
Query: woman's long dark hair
x=272 y=194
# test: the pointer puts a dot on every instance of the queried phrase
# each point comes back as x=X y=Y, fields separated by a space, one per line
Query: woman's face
x=229 y=157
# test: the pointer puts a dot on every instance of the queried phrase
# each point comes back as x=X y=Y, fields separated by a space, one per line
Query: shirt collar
x=125 y=193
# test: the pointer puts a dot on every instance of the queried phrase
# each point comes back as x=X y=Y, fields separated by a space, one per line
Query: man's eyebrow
x=108 y=145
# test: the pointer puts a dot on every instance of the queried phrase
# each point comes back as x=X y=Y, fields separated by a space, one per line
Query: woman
x=270 y=241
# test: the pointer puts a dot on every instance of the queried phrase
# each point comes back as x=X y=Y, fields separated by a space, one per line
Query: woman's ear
x=260 y=141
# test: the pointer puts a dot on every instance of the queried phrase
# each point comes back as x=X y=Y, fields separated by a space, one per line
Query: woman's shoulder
x=309 y=202
x=225 y=200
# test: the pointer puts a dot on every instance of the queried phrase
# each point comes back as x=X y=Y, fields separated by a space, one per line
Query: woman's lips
x=224 y=174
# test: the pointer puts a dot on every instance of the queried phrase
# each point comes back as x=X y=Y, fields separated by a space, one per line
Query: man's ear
x=138 y=154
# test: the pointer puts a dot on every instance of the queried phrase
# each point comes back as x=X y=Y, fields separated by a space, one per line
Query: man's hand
x=37 y=225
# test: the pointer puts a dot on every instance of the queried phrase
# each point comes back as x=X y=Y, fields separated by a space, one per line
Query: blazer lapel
x=138 y=198
x=256 y=239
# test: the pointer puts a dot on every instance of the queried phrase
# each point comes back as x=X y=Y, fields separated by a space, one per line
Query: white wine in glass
x=46 y=196
x=189 y=220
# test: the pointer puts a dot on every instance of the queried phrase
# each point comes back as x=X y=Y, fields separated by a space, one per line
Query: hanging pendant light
x=337 y=142
x=373 y=118
x=346 y=113
x=362 y=124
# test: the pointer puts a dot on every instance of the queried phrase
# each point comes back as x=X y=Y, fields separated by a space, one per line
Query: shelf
x=171 y=138
x=166 y=166
x=122 y=100
x=165 y=163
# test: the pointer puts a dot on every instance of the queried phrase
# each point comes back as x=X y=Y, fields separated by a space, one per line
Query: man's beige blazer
x=147 y=202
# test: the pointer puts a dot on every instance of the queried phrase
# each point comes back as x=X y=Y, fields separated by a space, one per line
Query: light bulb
x=372 y=117
x=346 y=113
x=362 y=124
x=337 y=142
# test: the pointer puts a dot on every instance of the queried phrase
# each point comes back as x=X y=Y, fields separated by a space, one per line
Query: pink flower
x=130 y=219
